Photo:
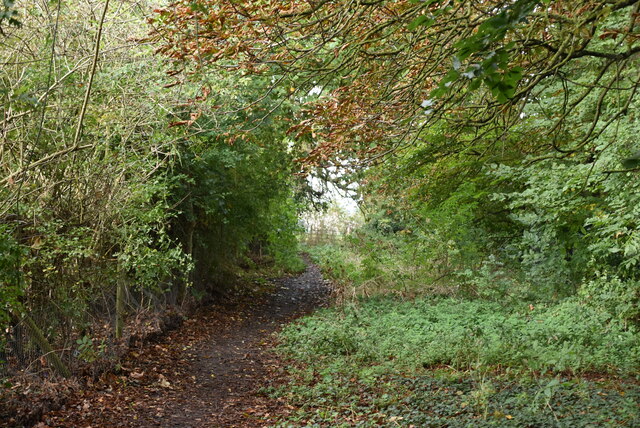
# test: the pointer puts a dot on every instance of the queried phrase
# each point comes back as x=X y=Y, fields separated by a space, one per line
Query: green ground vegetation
x=455 y=360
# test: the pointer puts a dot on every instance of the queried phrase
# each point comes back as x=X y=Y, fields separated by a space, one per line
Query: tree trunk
x=120 y=296
x=182 y=292
x=38 y=336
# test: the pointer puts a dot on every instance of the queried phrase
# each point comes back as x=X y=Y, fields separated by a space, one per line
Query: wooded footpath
x=153 y=155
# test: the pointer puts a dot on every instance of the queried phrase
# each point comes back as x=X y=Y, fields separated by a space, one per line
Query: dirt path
x=207 y=373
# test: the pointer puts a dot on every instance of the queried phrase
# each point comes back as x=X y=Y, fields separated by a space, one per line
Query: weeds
x=465 y=334
x=467 y=348
x=454 y=362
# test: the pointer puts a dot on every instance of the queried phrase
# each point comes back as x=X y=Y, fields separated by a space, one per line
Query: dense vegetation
x=497 y=161
x=460 y=362
x=110 y=209
x=494 y=142
x=493 y=146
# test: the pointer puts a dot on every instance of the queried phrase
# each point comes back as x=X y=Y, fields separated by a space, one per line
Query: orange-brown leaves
x=378 y=73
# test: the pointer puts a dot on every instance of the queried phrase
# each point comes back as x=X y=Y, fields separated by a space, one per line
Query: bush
x=10 y=289
x=618 y=298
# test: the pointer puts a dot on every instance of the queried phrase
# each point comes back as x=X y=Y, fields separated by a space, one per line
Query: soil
x=210 y=372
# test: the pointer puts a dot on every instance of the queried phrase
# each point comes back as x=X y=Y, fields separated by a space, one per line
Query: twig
x=96 y=54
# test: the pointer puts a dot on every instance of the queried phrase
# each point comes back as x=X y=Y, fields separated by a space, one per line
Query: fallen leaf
x=163 y=382
x=136 y=375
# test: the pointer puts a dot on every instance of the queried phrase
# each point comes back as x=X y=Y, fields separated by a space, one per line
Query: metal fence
x=84 y=341
x=320 y=237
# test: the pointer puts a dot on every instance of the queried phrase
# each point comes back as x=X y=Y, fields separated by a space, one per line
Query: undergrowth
x=453 y=362
x=386 y=334
x=409 y=354
x=447 y=398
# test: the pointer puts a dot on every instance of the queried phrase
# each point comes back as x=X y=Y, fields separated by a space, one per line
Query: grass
x=395 y=334
x=371 y=271
x=453 y=362
x=402 y=350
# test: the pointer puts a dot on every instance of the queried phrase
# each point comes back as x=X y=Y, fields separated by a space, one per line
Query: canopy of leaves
x=390 y=69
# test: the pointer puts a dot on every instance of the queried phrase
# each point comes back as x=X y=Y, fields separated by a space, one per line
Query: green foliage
x=490 y=62
x=514 y=225
x=384 y=335
x=281 y=235
x=9 y=13
x=435 y=362
x=617 y=298
x=147 y=251
x=232 y=199
x=538 y=245
x=87 y=351
x=159 y=193
x=337 y=262
x=364 y=267
x=11 y=287
x=492 y=282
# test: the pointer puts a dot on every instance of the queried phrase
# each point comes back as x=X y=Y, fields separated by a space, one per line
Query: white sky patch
x=335 y=195
x=342 y=215
x=426 y=103
x=316 y=90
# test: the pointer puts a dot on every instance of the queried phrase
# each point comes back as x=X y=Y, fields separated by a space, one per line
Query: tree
x=107 y=205
x=495 y=132
x=393 y=69
x=83 y=152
